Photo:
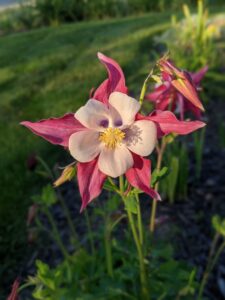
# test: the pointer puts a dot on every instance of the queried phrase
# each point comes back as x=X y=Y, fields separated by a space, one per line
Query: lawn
x=49 y=72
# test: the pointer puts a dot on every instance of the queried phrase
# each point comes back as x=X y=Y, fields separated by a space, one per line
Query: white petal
x=141 y=137
x=126 y=106
x=84 y=146
x=94 y=115
x=115 y=162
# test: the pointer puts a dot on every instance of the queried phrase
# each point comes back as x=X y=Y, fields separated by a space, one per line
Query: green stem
x=199 y=138
x=144 y=88
x=56 y=234
x=211 y=264
x=153 y=213
x=160 y=151
x=200 y=20
x=90 y=233
x=46 y=167
x=24 y=286
x=113 y=184
x=218 y=253
x=108 y=250
x=64 y=206
x=145 y=292
x=140 y=256
x=42 y=227
x=68 y=217
x=140 y=225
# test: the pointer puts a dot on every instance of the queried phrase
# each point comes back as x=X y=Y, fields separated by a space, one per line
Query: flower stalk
x=143 y=278
x=160 y=152
x=108 y=248
x=211 y=264
x=140 y=225
x=61 y=200
x=56 y=234
x=90 y=233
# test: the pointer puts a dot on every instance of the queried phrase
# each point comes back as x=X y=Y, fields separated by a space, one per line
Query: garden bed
x=187 y=222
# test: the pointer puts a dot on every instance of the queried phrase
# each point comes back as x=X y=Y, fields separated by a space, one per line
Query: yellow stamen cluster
x=111 y=137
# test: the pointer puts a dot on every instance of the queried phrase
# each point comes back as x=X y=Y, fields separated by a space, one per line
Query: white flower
x=112 y=134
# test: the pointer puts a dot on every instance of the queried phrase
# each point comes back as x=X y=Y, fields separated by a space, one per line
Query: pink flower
x=108 y=137
x=178 y=90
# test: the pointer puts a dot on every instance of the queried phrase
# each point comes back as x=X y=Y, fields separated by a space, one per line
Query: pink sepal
x=198 y=76
x=167 y=123
x=139 y=176
x=90 y=181
x=55 y=130
x=115 y=81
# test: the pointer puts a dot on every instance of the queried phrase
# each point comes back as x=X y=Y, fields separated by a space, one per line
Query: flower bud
x=68 y=173
x=181 y=81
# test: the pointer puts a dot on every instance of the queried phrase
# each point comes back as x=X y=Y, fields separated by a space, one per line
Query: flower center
x=111 y=137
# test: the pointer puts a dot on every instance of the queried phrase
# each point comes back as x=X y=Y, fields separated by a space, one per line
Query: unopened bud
x=67 y=174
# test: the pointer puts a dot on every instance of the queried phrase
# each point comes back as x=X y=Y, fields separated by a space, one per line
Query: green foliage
x=19 y=19
x=158 y=175
x=191 y=41
x=131 y=203
x=216 y=249
x=54 y=12
x=47 y=197
x=172 y=179
x=219 y=225
x=113 y=204
x=72 y=281
x=176 y=158
x=199 y=138
x=58 y=11
x=84 y=275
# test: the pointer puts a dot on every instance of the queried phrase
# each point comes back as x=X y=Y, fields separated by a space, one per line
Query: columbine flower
x=112 y=134
x=178 y=90
x=108 y=137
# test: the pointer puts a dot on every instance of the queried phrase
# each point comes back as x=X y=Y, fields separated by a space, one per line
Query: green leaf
x=170 y=138
x=172 y=179
x=42 y=267
x=113 y=204
x=48 y=195
x=131 y=203
x=107 y=186
x=219 y=225
x=158 y=175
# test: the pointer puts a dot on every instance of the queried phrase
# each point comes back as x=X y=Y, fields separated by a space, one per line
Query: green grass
x=45 y=73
